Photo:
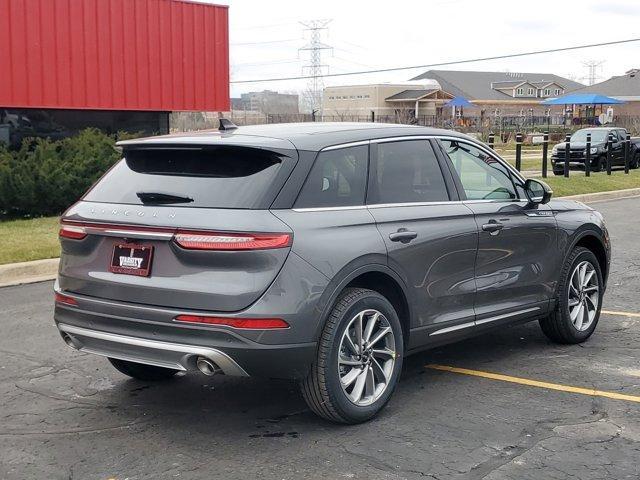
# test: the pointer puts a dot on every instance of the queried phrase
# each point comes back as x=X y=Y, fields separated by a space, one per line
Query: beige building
x=414 y=99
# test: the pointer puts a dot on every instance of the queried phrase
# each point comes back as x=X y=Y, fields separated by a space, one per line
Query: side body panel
x=517 y=267
x=438 y=264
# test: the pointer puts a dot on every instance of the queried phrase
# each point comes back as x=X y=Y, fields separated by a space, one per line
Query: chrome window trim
x=345 y=145
x=488 y=152
x=417 y=204
x=329 y=209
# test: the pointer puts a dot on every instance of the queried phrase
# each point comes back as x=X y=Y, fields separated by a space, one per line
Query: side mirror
x=537 y=191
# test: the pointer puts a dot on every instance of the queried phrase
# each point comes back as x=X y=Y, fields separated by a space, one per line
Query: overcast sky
x=265 y=36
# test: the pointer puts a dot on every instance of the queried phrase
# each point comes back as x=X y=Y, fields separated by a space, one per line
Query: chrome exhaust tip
x=207 y=367
x=70 y=341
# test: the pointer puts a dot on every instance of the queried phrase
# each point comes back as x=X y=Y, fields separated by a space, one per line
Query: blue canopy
x=459 y=102
x=582 y=99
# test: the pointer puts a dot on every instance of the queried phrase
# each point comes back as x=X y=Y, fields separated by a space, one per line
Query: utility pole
x=315 y=68
x=593 y=66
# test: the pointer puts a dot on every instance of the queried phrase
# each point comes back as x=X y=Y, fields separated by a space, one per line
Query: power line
x=442 y=64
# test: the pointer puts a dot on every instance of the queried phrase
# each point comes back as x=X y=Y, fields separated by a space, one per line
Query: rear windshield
x=219 y=177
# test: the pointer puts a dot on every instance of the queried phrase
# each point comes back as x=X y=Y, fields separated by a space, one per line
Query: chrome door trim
x=506 y=315
x=483 y=321
x=453 y=328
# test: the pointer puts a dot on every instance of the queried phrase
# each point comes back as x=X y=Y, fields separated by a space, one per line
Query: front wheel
x=580 y=293
x=635 y=163
x=358 y=361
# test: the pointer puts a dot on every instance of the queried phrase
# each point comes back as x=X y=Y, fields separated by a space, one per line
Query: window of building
x=337 y=179
x=520 y=91
x=482 y=176
x=366 y=96
x=407 y=172
x=530 y=92
x=558 y=91
x=547 y=92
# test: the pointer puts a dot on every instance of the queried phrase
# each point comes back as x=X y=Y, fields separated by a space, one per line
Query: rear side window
x=407 y=172
x=219 y=177
x=337 y=179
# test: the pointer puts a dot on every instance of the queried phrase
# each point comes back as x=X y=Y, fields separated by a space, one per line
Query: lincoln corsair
x=320 y=252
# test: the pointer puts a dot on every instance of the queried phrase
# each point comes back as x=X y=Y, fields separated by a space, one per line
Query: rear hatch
x=180 y=226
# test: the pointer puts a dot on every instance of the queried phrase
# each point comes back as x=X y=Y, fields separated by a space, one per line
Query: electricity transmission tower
x=593 y=66
x=315 y=68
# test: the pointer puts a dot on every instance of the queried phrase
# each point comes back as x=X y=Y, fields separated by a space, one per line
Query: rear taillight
x=231 y=241
x=65 y=300
x=75 y=232
x=245 y=323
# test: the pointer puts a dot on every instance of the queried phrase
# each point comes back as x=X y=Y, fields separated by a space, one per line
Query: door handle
x=402 y=235
x=492 y=227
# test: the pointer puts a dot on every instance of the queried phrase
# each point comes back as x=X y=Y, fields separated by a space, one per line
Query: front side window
x=338 y=179
x=407 y=172
x=482 y=176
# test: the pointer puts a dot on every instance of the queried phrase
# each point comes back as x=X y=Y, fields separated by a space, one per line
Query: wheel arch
x=592 y=240
x=377 y=277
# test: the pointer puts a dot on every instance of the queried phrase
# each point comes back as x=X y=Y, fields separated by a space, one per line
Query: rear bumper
x=150 y=352
x=141 y=334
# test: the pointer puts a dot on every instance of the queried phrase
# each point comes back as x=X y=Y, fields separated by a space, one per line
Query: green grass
x=578 y=183
x=24 y=240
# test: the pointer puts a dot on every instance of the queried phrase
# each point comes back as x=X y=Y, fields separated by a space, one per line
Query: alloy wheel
x=584 y=295
x=366 y=357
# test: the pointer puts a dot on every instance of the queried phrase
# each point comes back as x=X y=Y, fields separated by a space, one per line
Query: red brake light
x=246 y=323
x=231 y=241
x=72 y=231
x=66 y=300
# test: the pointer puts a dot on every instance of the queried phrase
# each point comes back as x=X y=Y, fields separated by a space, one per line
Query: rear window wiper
x=159 y=198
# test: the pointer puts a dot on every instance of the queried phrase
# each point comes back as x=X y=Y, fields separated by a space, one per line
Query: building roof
x=311 y=136
x=627 y=85
x=412 y=94
x=477 y=85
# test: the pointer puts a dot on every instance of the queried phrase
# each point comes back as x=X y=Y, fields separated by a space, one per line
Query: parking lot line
x=623 y=314
x=535 y=383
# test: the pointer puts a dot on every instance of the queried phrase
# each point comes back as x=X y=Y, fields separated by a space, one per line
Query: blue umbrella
x=459 y=102
x=582 y=99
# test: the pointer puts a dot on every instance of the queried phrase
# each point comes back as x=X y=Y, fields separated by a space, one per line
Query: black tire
x=321 y=389
x=139 y=371
x=635 y=163
x=558 y=326
x=558 y=172
x=599 y=164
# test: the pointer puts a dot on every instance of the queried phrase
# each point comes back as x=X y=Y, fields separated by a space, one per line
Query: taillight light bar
x=241 y=323
x=231 y=241
x=74 y=232
x=187 y=239
x=65 y=300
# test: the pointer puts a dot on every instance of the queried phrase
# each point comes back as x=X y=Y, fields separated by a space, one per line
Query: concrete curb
x=42 y=270
x=602 y=196
x=28 y=272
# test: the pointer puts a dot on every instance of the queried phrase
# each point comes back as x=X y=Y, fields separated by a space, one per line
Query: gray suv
x=321 y=252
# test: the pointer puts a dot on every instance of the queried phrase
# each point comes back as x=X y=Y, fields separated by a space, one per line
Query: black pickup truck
x=599 y=136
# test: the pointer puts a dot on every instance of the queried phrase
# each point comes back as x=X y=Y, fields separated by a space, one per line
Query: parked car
x=599 y=137
x=321 y=252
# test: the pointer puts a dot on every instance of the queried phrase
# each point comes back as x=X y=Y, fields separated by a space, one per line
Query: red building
x=113 y=64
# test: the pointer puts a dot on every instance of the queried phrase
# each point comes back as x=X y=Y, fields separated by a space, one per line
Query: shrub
x=44 y=177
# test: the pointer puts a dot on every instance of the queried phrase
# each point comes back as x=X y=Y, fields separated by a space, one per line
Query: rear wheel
x=140 y=371
x=635 y=163
x=579 y=299
x=358 y=361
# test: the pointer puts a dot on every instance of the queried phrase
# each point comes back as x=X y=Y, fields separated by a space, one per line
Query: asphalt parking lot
x=66 y=415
